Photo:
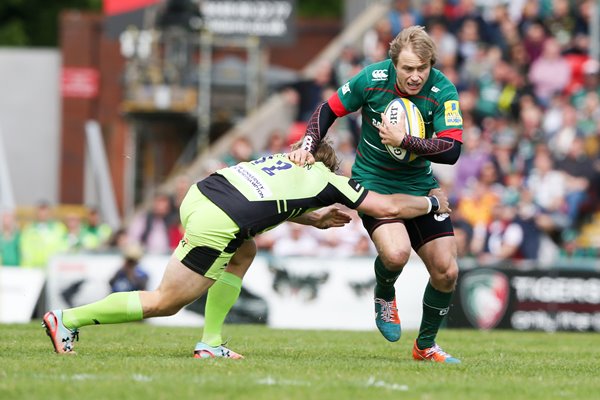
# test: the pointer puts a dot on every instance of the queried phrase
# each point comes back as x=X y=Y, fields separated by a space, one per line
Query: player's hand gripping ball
x=413 y=123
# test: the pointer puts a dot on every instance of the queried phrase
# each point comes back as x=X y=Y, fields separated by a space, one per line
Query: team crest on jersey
x=346 y=88
x=452 y=113
x=379 y=75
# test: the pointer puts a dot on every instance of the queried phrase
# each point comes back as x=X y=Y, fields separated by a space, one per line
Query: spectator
x=447 y=43
x=534 y=37
x=276 y=143
x=590 y=84
x=478 y=201
x=579 y=173
x=74 y=235
x=463 y=231
x=474 y=155
x=95 y=233
x=467 y=12
x=130 y=276
x=572 y=250
x=376 y=41
x=296 y=241
x=550 y=73
x=504 y=236
x=562 y=22
x=241 y=150
x=347 y=65
x=548 y=188
x=403 y=14
x=42 y=238
x=119 y=239
x=559 y=141
x=469 y=41
x=350 y=240
x=151 y=228
x=10 y=236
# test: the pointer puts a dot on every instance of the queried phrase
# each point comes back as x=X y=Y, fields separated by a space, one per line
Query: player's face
x=412 y=72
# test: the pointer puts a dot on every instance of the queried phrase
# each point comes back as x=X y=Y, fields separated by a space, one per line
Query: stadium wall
x=30 y=120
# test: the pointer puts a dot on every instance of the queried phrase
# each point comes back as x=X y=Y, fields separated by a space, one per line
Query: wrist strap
x=308 y=144
x=435 y=204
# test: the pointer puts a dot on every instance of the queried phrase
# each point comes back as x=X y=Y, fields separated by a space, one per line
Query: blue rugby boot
x=387 y=319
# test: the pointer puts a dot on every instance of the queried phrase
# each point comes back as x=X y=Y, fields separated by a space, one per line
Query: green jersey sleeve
x=447 y=115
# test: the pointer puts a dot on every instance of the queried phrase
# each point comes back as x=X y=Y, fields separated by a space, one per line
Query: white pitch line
x=392 y=386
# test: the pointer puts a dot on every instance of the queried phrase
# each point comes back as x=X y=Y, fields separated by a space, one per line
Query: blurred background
x=110 y=109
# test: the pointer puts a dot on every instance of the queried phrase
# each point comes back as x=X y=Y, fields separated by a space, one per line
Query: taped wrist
x=309 y=143
x=435 y=204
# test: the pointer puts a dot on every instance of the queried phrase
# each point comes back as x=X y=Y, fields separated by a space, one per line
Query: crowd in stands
x=35 y=240
x=524 y=186
x=528 y=177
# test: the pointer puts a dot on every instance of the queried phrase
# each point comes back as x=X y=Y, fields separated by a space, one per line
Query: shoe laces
x=388 y=311
x=435 y=349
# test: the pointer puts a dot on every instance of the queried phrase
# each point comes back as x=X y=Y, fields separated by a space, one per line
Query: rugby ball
x=414 y=125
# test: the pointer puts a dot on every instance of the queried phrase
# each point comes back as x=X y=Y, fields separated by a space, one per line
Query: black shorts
x=420 y=229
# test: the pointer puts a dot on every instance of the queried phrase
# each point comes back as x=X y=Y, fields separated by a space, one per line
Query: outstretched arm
x=327 y=217
x=320 y=121
x=404 y=205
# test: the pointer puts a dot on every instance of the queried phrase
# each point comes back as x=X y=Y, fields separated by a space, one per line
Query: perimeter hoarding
x=544 y=300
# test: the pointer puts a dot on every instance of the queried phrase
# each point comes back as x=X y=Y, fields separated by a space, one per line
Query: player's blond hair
x=418 y=40
x=325 y=154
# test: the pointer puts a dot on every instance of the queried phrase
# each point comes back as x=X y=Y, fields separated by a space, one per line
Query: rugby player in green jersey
x=220 y=213
x=408 y=73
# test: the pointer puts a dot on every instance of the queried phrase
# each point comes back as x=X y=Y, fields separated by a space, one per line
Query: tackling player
x=408 y=73
x=219 y=213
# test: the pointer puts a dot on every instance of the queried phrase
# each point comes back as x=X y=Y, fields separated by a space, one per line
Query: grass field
x=138 y=361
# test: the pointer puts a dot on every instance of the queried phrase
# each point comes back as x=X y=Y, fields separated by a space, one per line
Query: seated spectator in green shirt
x=42 y=238
x=10 y=235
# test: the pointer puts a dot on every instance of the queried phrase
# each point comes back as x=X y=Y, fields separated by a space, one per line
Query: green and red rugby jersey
x=372 y=89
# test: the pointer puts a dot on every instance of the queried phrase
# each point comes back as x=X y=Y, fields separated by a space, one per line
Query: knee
x=395 y=260
x=157 y=305
x=242 y=259
x=444 y=278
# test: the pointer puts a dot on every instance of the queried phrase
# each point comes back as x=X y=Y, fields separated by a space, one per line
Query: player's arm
x=441 y=150
x=438 y=150
x=404 y=206
x=327 y=217
x=318 y=125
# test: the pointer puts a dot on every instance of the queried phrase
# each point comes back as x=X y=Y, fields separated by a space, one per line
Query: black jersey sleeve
x=318 y=125
x=441 y=151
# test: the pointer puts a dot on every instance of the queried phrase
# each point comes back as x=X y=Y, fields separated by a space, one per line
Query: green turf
x=139 y=361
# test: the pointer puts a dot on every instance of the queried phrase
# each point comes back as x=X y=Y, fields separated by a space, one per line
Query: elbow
x=452 y=160
x=392 y=211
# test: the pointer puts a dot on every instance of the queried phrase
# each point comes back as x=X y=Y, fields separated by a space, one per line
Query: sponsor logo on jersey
x=346 y=88
x=379 y=75
x=435 y=89
x=452 y=113
x=253 y=181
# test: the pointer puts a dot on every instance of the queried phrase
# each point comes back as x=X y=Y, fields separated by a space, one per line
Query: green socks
x=435 y=308
x=384 y=289
x=222 y=295
x=113 y=309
